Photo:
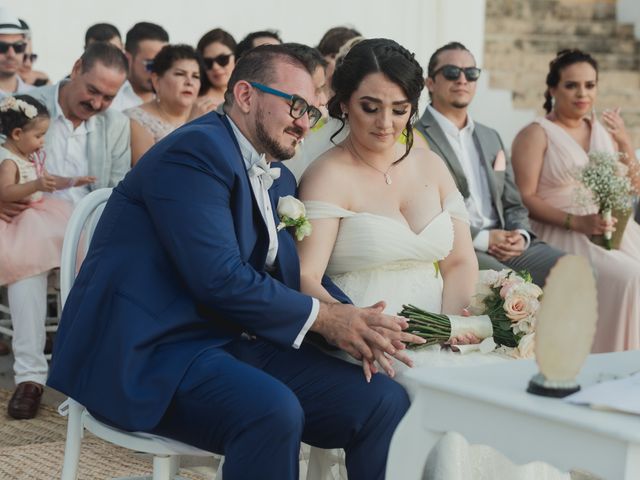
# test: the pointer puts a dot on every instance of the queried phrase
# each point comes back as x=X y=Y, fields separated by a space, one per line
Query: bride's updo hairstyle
x=377 y=55
x=564 y=59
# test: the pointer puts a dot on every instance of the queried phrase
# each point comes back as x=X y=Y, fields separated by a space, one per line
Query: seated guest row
x=88 y=138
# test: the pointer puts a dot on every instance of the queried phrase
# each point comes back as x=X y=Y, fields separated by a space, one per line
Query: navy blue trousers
x=255 y=403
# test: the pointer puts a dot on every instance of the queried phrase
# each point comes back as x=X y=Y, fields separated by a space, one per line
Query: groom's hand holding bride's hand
x=366 y=334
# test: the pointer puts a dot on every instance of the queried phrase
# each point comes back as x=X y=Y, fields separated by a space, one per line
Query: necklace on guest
x=385 y=173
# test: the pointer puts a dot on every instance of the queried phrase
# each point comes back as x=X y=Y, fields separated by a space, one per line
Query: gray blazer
x=108 y=144
x=504 y=193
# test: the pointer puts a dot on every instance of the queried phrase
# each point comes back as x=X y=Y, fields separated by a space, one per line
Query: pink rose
x=518 y=307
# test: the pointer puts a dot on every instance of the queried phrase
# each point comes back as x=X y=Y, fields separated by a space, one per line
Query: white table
x=489 y=405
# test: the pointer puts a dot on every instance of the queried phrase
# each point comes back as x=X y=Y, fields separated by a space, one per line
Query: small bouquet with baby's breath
x=604 y=181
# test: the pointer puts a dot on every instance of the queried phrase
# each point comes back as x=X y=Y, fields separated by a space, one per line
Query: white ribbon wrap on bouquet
x=480 y=326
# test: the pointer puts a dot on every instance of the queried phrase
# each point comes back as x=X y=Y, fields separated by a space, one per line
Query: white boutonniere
x=293 y=214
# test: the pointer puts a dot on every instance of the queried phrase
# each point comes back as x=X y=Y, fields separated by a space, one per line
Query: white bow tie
x=264 y=172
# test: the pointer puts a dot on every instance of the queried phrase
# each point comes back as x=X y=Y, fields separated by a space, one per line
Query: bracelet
x=567 y=221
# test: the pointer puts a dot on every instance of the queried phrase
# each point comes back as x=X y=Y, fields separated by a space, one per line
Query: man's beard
x=269 y=144
x=460 y=104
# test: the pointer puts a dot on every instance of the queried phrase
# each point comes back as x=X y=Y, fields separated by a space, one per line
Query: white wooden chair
x=166 y=452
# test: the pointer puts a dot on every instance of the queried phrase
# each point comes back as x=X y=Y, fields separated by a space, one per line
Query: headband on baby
x=11 y=103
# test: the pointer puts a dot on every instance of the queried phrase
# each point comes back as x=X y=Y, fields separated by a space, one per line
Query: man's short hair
x=108 y=55
x=142 y=31
x=246 y=43
x=309 y=56
x=100 y=32
x=433 y=61
x=259 y=65
x=334 y=38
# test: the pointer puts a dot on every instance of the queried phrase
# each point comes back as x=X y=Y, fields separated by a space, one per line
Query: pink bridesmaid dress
x=617 y=271
x=32 y=242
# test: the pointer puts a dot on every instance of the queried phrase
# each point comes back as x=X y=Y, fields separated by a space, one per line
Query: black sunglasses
x=451 y=72
x=18 y=47
x=32 y=57
x=222 y=60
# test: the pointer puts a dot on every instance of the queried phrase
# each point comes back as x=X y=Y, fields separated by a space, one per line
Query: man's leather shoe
x=5 y=349
x=25 y=402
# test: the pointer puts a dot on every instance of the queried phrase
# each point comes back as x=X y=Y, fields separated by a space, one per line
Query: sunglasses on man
x=30 y=57
x=451 y=72
x=18 y=47
x=299 y=105
x=222 y=60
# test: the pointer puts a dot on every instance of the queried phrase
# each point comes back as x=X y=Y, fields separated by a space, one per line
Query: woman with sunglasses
x=26 y=72
x=546 y=155
x=217 y=48
x=175 y=76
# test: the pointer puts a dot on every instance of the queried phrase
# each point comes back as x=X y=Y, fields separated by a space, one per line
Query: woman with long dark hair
x=546 y=156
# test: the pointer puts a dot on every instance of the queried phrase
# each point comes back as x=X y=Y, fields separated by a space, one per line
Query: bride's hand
x=467 y=339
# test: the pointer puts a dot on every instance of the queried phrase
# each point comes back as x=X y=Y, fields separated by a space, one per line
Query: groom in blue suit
x=186 y=318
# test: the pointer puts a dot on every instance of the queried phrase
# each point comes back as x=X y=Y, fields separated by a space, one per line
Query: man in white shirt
x=84 y=139
x=143 y=42
x=13 y=44
x=482 y=170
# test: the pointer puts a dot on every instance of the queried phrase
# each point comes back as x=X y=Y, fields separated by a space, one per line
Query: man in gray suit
x=84 y=139
x=477 y=160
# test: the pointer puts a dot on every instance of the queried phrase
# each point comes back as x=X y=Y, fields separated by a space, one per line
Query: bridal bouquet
x=504 y=308
x=604 y=181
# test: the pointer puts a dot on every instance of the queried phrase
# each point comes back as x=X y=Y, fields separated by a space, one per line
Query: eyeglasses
x=148 y=65
x=222 y=60
x=451 y=72
x=18 y=47
x=299 y=105
x=30 y=57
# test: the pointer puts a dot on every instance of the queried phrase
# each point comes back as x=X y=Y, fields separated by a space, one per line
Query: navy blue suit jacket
x=176 y=266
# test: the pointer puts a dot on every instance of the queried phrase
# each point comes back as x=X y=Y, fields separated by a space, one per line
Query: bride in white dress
x=389 y=224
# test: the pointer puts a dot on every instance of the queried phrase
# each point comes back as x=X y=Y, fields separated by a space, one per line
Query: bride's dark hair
x=377 y=55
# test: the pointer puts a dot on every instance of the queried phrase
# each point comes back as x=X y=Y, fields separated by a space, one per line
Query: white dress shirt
x=251 y=157
x=482 y=213
x=125 y=98
x=67 y=155
x=22 y=87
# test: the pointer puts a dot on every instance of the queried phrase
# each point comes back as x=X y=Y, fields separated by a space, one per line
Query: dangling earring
x=553 y=103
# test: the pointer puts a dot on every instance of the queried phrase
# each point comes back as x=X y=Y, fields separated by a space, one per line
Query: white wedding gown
x=379 y=258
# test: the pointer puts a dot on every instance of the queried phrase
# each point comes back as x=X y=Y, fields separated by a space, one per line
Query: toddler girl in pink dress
x=32 y=242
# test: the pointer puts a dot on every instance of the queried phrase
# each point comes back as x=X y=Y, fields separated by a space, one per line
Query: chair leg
x=319 y=464
x=73 y=442
x=219 y=472
x=174 y=465
x=162 y=466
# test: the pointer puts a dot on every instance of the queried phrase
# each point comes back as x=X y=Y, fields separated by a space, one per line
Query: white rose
x=291 y=207
x=509 y=284
x=530 y=290
x=526 y=346
x=493 y=278
x=523 y=326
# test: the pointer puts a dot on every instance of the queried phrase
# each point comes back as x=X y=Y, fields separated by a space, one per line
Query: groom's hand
x=366 y=334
